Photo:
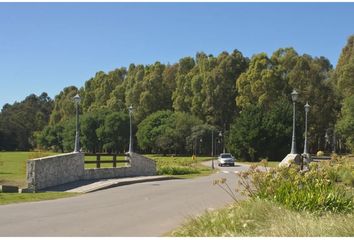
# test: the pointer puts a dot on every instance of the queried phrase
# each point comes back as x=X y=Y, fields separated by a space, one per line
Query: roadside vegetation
x=185 y=167
x=7 y=198
x=285 y=202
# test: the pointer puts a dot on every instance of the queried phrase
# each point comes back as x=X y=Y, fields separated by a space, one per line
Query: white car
x=226 y=159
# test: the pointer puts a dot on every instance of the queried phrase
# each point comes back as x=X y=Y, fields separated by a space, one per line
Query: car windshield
x=225 y=155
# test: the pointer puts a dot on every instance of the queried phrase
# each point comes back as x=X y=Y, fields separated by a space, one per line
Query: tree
x=64 y=106
x=345 y=125
x=257 y=133
x=343 y=76
x=151 y=128
x=18 y=122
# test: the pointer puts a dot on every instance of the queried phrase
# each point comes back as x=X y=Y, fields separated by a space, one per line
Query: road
x=143 y=209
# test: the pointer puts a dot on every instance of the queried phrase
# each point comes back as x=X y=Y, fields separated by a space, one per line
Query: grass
x=7 y=198
x=269 y=164
x=13 y=166
x=182 y=167
x=262 y=218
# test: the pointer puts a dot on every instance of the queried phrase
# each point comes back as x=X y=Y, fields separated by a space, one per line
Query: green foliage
x=251 y=131
x=165 y=131
x=19 y=122
x=100 y=131
x=262 y=218
x=315 y=190
x=176 y=170
x=270 y=80
x=345 y=125
x=64 y=106
x=343 y=76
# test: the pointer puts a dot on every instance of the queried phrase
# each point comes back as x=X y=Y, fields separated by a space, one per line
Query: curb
x=122 y=182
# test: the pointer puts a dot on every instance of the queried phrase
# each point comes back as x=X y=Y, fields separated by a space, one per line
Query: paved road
x=144 y=209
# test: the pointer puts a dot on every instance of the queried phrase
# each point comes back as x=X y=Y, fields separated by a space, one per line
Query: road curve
x=144 y=209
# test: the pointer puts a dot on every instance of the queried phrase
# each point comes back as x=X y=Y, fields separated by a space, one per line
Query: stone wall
x=54 y=170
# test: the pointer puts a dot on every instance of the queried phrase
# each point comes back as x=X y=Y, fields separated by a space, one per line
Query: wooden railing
x=98 y=160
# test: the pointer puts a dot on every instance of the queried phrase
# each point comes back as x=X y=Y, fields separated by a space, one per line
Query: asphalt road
x=143 y=209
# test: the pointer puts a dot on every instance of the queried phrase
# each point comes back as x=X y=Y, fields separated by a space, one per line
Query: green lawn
x=13 y=166
x=7 y=198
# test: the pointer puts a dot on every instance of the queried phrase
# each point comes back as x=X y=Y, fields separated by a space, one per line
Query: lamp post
x=200 y=146
x=220 y=136
x=307 y=108
x=294 y=97
x=212 y=149
x=131 y=135
x=77 y=136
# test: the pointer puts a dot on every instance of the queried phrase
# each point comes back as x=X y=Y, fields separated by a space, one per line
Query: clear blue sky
x=45 y=47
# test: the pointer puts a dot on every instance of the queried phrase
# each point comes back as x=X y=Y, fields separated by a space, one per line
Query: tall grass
x=315 y=190
x=264 y=218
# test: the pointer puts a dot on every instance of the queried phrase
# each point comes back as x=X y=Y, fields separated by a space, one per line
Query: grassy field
x=6 y=198
x=13 y=166
x=260 y=218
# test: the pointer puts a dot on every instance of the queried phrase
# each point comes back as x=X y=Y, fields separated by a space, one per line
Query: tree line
x=244 y=103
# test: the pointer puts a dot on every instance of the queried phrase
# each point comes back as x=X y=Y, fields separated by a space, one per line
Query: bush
x=316 y=190
x=256 y=218
x=320 y=154
x=176 y=170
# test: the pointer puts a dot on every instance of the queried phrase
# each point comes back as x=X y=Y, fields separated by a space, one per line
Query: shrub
x=176 y=170
x=255 y=218
x=320 y=154
x=315 y=190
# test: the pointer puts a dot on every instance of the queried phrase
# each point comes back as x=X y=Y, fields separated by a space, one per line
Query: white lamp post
x=294 y=97
x=131 y=135
x=77 y=137
x=212 y=149
x=307 y=108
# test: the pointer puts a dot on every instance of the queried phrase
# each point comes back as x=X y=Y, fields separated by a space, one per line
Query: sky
x=45 y=47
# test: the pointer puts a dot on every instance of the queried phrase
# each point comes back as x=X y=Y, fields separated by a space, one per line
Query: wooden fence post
x=114 y=160
x=98 y=161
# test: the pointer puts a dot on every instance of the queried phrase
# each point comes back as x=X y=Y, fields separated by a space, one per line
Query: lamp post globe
x=294 y=97
x=77 y=135
x=307 y=108
x=130 y=108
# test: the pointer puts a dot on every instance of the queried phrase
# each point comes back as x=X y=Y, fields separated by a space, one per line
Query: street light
x=130 y=108
x=77 y=136
x=307 y=108
x=294 y=97
x=220 y=136
x=200 y=146
x=212 y=148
